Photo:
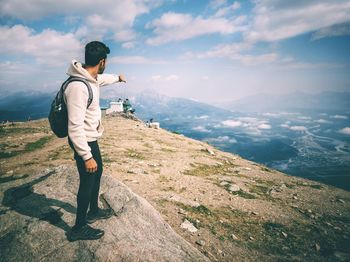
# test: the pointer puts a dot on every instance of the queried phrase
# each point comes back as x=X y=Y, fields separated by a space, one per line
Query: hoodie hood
x=76 y=69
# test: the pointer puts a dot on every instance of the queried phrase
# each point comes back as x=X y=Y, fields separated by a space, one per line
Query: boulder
x=37 y=211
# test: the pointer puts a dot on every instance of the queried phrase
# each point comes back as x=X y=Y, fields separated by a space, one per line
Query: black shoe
x=85 y=233
x=100 y=214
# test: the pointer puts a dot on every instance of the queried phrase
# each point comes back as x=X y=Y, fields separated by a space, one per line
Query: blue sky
x=211 y=51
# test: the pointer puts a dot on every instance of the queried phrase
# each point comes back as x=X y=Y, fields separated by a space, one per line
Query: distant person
x=127 y=107
x=84 y=128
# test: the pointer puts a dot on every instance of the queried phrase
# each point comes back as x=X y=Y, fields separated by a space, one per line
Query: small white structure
x=154 y=125
x=114 y=107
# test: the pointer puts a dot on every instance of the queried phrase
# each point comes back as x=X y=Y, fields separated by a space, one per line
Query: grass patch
x=163 y=179
x=37 y=144
x=28 y=147
x=259 y=189
x=135 y=154
x=315 y=186
x=148 y=145
x=244 y=194
x=262 y=191
x=14 y=130
x=265 y=182
x=106 y=159
x=4 y=154
x=169 y=188
x=30 y=163
x=202 y=209
x=264 y=168
x=204 y=170
x=240 y=193
x=167 y=150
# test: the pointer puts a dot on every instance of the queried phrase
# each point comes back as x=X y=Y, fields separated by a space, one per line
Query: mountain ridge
x=241 y=210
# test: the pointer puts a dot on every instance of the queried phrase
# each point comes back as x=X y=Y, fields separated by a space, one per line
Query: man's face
x=102 y=66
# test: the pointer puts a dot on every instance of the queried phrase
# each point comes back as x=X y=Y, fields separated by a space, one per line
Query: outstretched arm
x=108 y=79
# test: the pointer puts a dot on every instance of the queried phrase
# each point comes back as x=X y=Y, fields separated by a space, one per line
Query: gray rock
x=234 y=188
x=185 y=201
x=317 y=247
x=200 y=242
x=224 y=183
x=211 y=152
x=189 y=226
x=182 y=212
x=41 y=208
x=234 y=237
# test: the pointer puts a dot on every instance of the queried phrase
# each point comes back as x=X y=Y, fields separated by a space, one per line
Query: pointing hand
x=122 y=79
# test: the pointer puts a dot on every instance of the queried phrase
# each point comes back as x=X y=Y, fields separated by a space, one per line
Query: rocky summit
x=174 y=199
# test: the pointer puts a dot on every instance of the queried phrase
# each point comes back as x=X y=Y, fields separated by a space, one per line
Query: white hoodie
x=84 y=125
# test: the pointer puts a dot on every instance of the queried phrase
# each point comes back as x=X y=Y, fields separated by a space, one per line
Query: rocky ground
x=229 y=208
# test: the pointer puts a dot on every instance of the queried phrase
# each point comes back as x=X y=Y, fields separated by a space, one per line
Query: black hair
x=94 y=52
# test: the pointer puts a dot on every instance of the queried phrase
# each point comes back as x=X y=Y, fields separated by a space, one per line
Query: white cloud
x=222 y=139
x=339 y=117
x=128 y=45
x=159 y=78
x=276 y=20
x=298 y=128
x=138 y=60
x=285 y=125
x=232 y=123
x=264 y=126
x=105 y=17
x=201 y=129
x=227 y=9
x=125 y=35
x=345 y=131
x=235 y=52
x=47 y=47
x=304 y=117
x=172 y=27
x=323 y=121
x=217 y=3
x=202 y=117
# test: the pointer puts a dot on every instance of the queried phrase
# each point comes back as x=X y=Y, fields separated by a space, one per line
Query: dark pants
x=89 y=185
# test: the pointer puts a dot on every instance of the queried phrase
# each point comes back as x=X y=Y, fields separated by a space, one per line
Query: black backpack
x=58 y=116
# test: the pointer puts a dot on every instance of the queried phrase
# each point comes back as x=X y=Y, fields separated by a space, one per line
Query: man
x=84 y=128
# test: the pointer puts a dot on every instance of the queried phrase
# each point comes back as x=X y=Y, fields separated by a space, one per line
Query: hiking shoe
x=100 y=214
x=85 y=233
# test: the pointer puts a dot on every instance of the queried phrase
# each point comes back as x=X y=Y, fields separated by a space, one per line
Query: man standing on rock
x=84 y=128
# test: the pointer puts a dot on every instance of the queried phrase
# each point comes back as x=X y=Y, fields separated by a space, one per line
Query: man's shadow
x=25 y=201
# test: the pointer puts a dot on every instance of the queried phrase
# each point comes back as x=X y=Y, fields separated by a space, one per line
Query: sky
x=210 y=51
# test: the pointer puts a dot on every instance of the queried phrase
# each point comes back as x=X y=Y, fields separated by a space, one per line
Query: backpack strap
x=80 y=79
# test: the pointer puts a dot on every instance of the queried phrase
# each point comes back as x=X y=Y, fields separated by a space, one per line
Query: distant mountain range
x=21 y=105
x=297 y=101
x=150 y=104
